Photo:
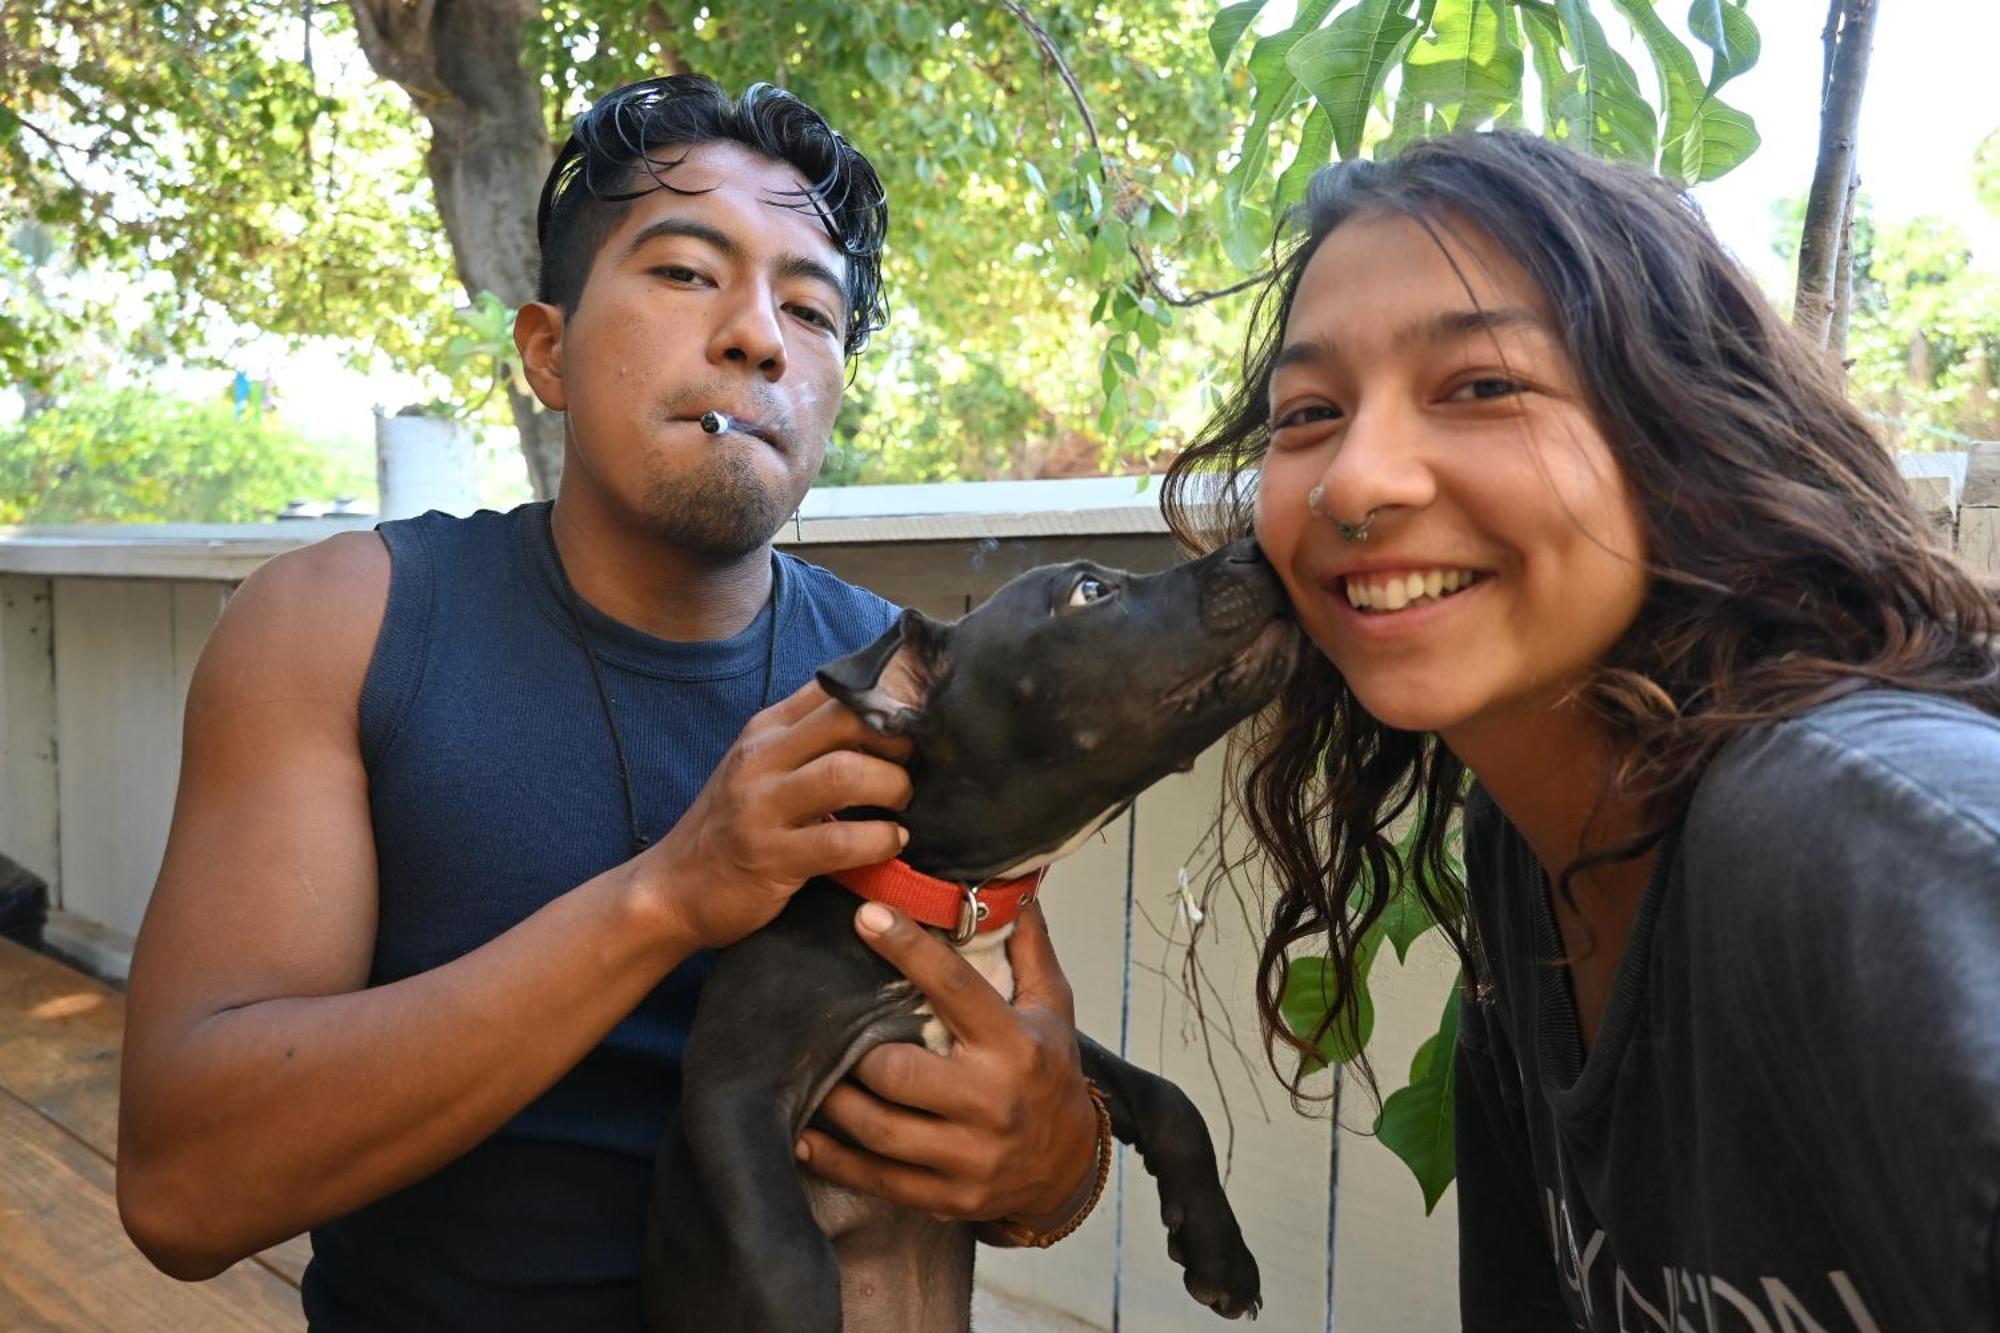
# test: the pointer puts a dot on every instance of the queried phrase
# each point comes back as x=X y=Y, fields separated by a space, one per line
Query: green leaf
x=1277 y=93
x=1471 y=72
x=1544 y=30
x=1725 y=29
x=1719 y=140
x=1606 y=114
x=1246 y=234
x=1416 y=1122
x=1034 y=175
x=1405 y=919
x=1229 y=27
x=1310 y=987
x=1314 y=147
x=881 y=63
x=1343 y=65
x=1681 y=87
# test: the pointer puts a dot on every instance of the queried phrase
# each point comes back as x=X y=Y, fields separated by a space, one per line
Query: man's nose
x=750 y=335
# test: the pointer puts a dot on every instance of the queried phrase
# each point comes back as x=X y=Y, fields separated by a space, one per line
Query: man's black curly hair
x=613 y=157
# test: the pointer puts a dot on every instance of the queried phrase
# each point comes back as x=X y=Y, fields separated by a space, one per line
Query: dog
x=1034 y=721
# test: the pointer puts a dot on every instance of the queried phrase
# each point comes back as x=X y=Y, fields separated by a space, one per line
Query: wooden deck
x=65 y=1262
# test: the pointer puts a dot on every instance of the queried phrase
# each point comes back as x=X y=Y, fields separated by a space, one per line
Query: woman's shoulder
x=1848 y=809
x=1924 y=755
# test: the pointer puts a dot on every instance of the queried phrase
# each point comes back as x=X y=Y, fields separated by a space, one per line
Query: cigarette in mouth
x=714 y=422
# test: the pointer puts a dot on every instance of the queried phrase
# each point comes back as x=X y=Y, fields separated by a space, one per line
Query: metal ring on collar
x=972 y=913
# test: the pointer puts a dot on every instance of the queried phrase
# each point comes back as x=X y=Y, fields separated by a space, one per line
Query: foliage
x=203 y=153
x=139 y=456
x=1348 y=76
x=1416 y=1121
x=1924 y=338
x=319 y=220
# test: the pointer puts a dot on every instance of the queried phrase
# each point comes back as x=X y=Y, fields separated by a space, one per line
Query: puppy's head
x=1063 y=696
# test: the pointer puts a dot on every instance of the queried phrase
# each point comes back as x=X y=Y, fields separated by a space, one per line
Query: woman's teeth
x=1395 y=592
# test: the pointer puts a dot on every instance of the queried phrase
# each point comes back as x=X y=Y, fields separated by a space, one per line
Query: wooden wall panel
x=1281 y=1162
x=118 y=732
x=28 y=794
x=1394 y=1268
x=1085 y=899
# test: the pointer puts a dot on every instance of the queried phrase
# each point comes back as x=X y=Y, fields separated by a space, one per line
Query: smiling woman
x=1569 y=511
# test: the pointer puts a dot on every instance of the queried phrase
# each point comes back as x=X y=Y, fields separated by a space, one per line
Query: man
x=464 y=801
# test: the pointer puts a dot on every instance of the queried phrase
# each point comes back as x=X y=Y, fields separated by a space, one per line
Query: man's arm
x=266 y=1089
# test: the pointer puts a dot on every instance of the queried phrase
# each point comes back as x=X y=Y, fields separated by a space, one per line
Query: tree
x=1924 y=342
x=137 y=456
x=211 y=146
x=1826 y=249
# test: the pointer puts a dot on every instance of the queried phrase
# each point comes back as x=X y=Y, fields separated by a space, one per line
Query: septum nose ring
x=1353 y=532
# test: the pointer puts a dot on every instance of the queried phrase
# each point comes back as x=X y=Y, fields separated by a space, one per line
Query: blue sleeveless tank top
x=494 y=788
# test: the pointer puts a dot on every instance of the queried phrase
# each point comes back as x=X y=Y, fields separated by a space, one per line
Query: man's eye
x=1087 y=590
x=812 y=316
x=675 y=273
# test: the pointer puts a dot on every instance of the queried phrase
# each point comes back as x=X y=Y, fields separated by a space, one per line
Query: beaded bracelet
x=1014 y=1234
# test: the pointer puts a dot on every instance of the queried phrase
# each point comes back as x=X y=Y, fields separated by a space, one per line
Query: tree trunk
x=461 y=63
x=1850 y=29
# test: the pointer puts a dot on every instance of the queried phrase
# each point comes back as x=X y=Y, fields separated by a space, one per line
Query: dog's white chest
x=988 y=955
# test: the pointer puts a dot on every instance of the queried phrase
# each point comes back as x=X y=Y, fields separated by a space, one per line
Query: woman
x=1565 y=507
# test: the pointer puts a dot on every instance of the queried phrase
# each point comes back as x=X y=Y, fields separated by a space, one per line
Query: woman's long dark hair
x=1789 y=563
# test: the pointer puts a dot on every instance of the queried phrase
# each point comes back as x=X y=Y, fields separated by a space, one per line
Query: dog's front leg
x=780 y=1018
x=1203 y=1237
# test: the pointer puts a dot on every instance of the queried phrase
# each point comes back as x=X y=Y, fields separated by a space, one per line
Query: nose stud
x=1353 y=532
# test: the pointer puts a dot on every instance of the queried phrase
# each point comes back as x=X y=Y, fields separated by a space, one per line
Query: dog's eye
x=1088 y=590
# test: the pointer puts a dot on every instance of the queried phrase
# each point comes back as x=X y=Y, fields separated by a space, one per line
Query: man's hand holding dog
x=759 y=828
x=1003 y=1127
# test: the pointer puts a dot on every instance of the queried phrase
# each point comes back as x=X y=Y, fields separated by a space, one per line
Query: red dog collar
x=965 y=910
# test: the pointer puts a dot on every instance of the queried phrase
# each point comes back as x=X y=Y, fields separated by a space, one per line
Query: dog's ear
x=888 y=682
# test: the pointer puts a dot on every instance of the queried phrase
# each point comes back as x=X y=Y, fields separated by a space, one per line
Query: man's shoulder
x=829 y=594
x=437 y=530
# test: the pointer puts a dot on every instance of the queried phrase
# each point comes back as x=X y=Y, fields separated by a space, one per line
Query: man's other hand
x=1003 y=1127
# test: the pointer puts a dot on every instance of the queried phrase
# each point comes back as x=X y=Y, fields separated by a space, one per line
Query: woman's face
x=1505 y=557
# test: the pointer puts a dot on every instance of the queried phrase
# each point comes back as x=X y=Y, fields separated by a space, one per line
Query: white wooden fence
x=100 y=628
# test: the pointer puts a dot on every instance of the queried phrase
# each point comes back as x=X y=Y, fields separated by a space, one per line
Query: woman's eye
x=1088 y=590
x=1487 y=387
x=1306 y=416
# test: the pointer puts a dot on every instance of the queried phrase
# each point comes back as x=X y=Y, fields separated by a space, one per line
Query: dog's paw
x=1221 y=1272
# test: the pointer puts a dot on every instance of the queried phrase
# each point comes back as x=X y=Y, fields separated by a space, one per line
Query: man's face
x=730 y=299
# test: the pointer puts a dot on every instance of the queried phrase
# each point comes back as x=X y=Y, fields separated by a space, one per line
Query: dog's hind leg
x=1203 y=1237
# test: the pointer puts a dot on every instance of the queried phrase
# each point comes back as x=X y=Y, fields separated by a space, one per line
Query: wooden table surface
x=65 y=1262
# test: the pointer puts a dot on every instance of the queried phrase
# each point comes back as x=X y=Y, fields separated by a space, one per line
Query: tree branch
x=1834 y=177
x=1147 y=272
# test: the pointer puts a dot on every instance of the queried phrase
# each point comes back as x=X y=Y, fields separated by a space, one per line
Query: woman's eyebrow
x=1452 y=325
x=1446 y=326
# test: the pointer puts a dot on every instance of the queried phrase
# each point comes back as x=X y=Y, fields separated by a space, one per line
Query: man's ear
x=538 y=332
x=888 y=683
